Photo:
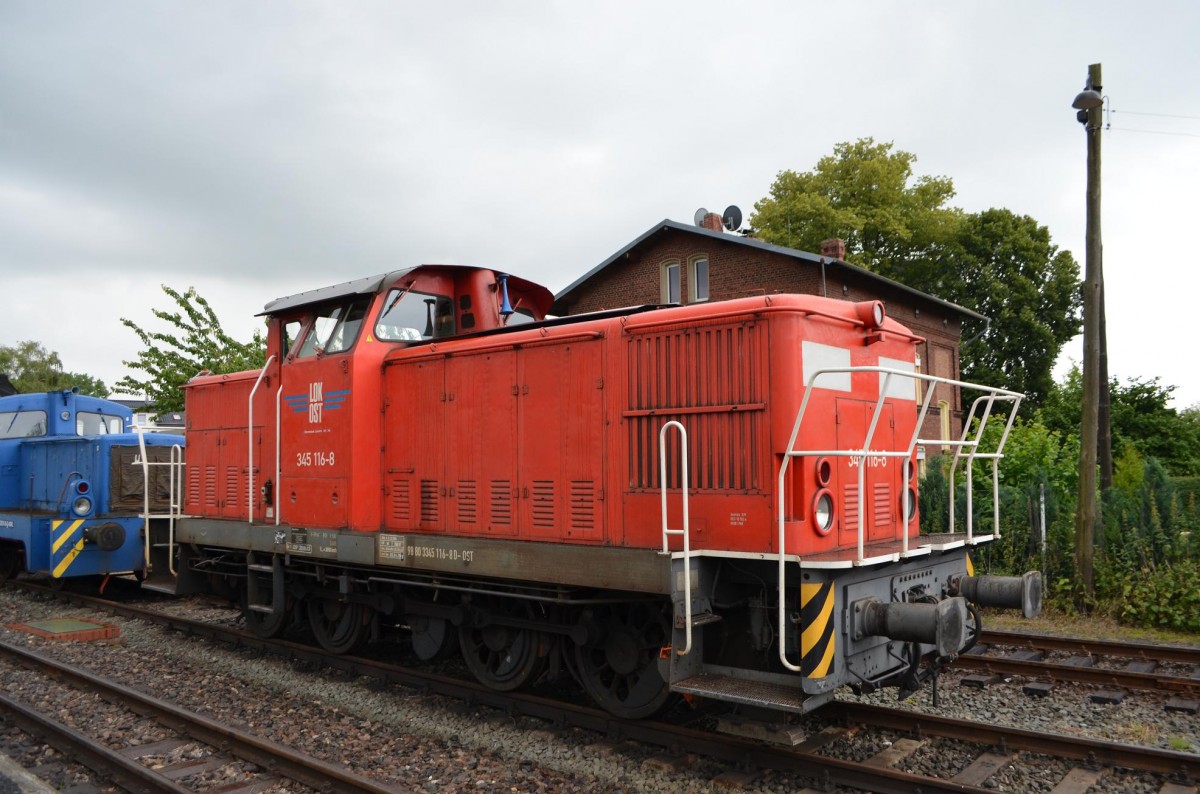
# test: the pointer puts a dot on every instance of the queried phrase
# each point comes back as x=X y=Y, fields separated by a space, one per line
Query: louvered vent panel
x=401 y=493
x=851 y=500
x=501 y=503
x=233 y=487
x=713 y=375
x=468 y=503
x=583 y=505
x=429 y=501
x=210 y=486
x=193 y=487
x=543 y=503
x=882 y=506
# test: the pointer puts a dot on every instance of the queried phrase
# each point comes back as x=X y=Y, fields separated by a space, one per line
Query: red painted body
x=550 y=433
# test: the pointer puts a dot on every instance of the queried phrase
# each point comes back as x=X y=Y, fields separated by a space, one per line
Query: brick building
x=679 y=263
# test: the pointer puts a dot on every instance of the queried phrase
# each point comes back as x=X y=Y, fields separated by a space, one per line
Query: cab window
x=22 y=424
x=335 y=328
x=291 y=332
x=89 y=423
x=520 y=316
x=411 y=316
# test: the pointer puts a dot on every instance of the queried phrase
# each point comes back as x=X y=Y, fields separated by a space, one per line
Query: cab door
x=316 y=419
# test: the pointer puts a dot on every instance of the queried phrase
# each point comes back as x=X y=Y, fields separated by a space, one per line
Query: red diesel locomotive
x=716 y=499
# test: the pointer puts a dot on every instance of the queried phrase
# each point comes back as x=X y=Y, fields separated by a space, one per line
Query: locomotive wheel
x=503 y=658
x=264 y=625
x=338 y=626
x=620 y=669
x=432 y=638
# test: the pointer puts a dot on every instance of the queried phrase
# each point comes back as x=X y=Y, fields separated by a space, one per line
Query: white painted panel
x=899 y=387
x=816 y=356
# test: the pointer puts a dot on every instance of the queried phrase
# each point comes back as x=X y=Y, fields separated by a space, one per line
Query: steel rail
x=125 y=772
x=676 y=739
x=1182 y=654
x=276 y=758
x=1125 y=679
x=1147 y=759
x=722 y=747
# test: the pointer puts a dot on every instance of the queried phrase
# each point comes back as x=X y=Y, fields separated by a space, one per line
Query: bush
x=1168 y=597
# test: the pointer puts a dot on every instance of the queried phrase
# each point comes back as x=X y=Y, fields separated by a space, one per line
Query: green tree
x=998 y=263
x=196 y=342
x=33 y=368
x=1141 y=418
x=865 y=194
x=1010 y=272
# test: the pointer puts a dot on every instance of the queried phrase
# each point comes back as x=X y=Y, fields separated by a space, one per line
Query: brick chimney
x=834 y=249
x=712 y=221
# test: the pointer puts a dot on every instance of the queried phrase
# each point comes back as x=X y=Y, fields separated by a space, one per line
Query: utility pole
x=1104 y=431
x=1090 y=104
x=1104 y=435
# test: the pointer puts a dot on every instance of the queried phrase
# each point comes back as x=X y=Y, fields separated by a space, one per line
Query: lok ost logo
x=317 y=401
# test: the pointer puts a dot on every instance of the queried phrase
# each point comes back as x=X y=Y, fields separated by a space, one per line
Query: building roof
x=167 y=419
x=731 y=239
x=170 y=419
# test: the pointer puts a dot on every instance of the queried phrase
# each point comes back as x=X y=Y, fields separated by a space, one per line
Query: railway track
x=219 y=745
x=902 y=734
x=1117 y=666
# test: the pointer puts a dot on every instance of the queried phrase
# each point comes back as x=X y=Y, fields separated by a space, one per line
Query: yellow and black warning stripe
x=60 y=536
x=817 y=641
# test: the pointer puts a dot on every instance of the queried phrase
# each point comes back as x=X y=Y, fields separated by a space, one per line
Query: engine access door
x=877 y=500
x=481 y=443
x=561 y=445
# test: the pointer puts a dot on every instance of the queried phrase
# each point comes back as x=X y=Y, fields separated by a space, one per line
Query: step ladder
x=690 y=619
x=159 y=527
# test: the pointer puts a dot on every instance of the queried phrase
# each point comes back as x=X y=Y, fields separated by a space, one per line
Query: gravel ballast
x=423 y=742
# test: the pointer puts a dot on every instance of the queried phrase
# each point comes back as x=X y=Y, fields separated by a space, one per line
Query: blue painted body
x=56 y=492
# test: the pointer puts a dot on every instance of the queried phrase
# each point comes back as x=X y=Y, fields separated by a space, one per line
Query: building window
x=917 y=382
x=670 y=282
x=944 y=415
x=698 y=279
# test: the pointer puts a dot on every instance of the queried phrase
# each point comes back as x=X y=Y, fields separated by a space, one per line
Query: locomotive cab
x=306 y=450
x=78 y=488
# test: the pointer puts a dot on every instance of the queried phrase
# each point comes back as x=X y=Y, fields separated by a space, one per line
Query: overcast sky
x=258 y=149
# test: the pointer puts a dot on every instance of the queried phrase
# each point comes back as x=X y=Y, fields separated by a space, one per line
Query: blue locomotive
x=82 y=493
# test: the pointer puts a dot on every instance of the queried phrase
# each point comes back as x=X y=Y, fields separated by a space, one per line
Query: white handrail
x=974 y=455
x=250 y=441
x=174 y=501
x=666 y=532
x=278 y=447
x=175 y=469
x=993 y=395
x=145 y=497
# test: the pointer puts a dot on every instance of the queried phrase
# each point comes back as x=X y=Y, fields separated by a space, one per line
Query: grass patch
x=1095 y=626
x=1137 y=733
